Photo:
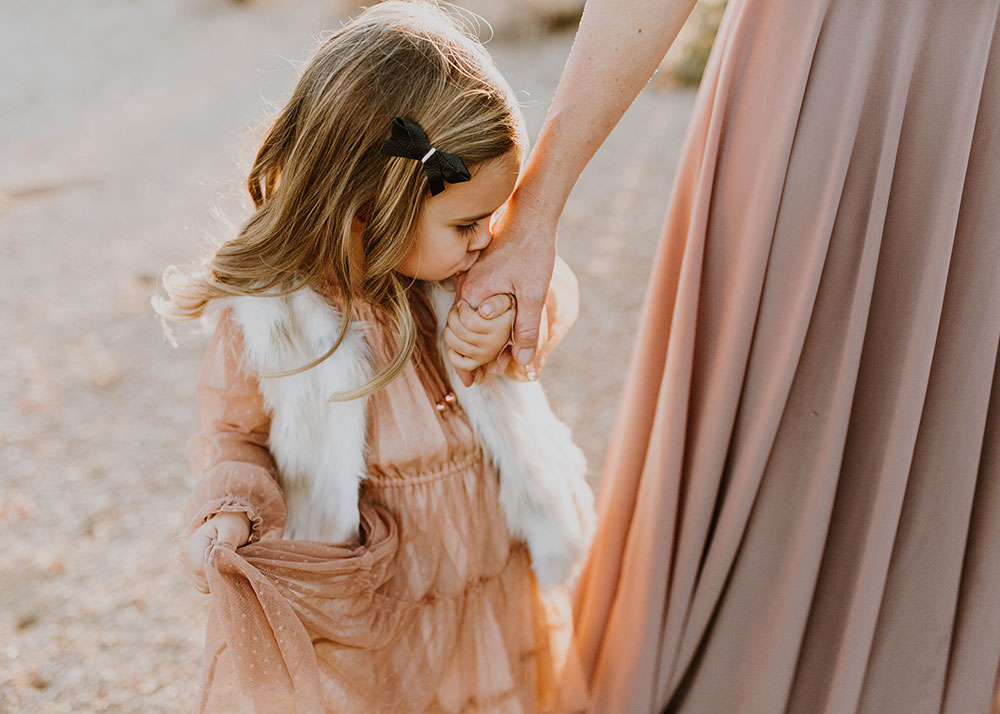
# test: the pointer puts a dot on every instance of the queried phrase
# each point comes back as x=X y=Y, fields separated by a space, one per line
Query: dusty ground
x=121 y=123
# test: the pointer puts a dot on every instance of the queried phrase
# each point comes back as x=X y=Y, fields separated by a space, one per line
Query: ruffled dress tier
x=435 y=611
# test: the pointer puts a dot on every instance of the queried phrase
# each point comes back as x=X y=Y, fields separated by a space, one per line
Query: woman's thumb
x=496 y=305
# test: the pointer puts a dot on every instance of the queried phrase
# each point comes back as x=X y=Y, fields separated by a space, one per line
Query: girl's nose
x=481 y=239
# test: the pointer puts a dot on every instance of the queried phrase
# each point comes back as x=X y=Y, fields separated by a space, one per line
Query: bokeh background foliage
x=683 y=65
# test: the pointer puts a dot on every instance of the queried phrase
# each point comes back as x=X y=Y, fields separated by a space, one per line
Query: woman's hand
x=229 y=529
x=474 y=340
x=618 y=46
x=519 y=262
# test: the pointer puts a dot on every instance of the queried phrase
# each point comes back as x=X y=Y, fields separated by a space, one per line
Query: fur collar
x=319 y=446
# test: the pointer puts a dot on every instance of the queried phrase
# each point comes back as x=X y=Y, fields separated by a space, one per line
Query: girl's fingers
x=233 y=529
x=473 y=321
x=459 y=345
x=200 y=584
x=468 y=378
x=457 y=326
x=229 y=529
x=193 y=559
x=461 y=361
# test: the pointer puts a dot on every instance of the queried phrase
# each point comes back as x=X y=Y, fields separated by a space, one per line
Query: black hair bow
x=409 y=141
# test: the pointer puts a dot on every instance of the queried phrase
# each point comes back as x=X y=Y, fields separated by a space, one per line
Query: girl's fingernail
x=525 y=356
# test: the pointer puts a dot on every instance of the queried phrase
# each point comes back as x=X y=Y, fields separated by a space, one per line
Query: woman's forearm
x=618 y=46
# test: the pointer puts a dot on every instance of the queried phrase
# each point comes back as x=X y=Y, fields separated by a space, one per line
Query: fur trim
x=318 y=445
x=543 y=489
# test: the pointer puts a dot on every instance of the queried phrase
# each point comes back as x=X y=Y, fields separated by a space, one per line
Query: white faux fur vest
x=319 y=445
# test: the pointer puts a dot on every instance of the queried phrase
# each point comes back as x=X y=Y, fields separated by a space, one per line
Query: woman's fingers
x=526 y=326
x=496 y=305
x=518 y=261
x=529 y=292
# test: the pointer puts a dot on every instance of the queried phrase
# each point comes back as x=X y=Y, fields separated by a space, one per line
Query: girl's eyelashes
x=468 y=228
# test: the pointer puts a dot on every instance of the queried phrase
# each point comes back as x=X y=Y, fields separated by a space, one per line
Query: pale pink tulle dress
x=436 y=612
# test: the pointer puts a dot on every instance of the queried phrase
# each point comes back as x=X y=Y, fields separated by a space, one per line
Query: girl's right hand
x=229 y=529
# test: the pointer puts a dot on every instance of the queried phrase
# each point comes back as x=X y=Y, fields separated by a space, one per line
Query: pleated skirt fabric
x=800 y=510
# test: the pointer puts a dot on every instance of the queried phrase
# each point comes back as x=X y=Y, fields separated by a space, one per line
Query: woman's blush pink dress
x=800 y=512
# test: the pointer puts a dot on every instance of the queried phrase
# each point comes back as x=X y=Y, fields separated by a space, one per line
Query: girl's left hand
x=474 y=340
x=229 y=529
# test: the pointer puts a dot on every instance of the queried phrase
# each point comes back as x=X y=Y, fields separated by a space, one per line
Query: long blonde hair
x=320 y=166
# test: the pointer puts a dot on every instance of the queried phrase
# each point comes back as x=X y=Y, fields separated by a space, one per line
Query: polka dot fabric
x=434 y=611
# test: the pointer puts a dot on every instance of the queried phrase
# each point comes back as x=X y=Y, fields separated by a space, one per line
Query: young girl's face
x=454 y=226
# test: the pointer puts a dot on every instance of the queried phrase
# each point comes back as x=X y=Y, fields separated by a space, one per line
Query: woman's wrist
x=550 y=171
x=535 y=209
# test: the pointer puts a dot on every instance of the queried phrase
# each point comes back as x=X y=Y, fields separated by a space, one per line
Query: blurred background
x=125 y=125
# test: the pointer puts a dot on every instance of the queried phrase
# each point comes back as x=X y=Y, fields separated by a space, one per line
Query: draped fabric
x=265 y=597
x=434 y=610
x=800 y=510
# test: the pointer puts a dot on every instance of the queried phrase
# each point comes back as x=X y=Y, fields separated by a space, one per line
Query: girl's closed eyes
x=338 y=439
x=454 y=226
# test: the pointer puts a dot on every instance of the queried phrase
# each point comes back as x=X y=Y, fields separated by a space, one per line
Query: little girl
x=373 y=534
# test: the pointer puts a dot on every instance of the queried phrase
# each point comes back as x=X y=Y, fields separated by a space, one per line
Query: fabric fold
x=273 y=598
x=432 y=609
x=792 y=487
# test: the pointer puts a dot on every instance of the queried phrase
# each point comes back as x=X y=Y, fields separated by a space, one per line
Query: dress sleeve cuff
x=229 y=504
x=238 y=487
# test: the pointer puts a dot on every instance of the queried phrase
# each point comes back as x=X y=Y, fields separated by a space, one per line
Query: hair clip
x=409 y=141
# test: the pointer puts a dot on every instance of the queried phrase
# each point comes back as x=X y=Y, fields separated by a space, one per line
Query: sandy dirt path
x=121 y=125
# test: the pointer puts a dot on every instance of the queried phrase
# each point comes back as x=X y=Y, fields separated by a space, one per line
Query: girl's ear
x=360 y=221
x=364 y=214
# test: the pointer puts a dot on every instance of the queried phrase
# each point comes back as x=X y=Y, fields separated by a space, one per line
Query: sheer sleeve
x=229 y=456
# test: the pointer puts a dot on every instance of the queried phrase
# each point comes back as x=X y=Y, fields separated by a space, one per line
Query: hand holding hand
x=473 y=339
x=518 y=261
x=229 y=529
